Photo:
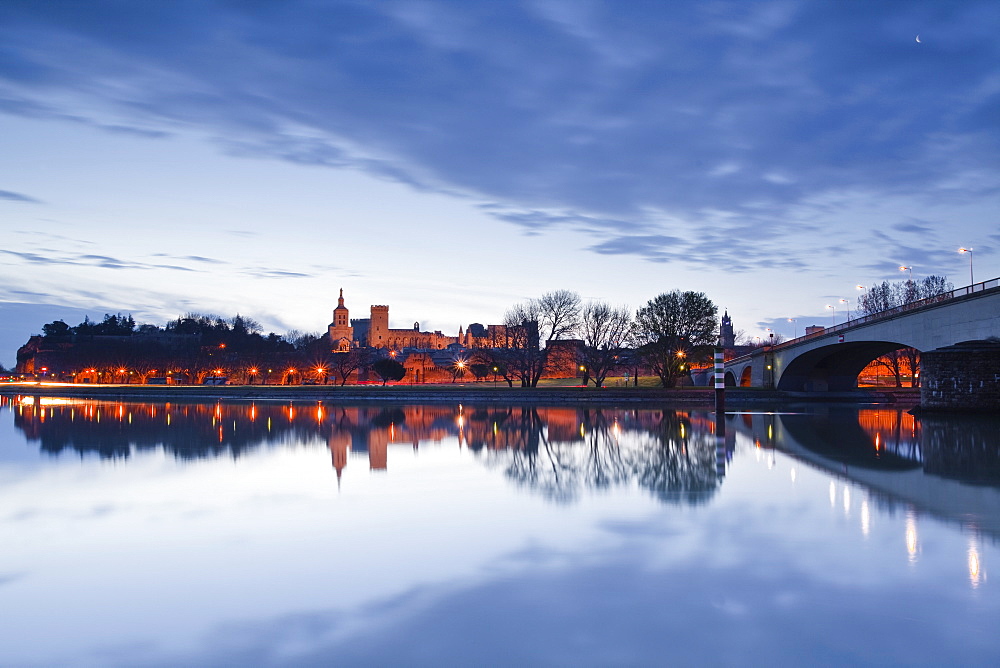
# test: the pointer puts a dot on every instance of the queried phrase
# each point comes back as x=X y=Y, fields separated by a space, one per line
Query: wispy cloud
x=260 y=272
x=17 y=197
x=100 y=261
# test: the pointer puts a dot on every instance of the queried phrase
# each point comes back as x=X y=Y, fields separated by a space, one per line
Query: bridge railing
x=896 y=310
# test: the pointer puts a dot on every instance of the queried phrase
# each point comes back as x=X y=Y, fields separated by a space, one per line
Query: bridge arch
x=746 y=376
x=834 y=367
x=730 y=379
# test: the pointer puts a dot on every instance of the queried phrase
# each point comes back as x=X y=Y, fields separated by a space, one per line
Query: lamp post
x=972 y=279
x=848 y=307
x=909 y=269
x=834 y=309
x=795 y=328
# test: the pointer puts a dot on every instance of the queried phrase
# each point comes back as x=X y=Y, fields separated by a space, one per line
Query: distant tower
x=727 y=338
x=341 y=332
x=378 y=331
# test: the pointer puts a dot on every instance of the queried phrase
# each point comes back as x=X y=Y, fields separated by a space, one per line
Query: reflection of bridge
x=831 y=360
x=943 y=466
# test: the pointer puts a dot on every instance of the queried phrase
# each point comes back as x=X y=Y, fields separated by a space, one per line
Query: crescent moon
x=918 y=39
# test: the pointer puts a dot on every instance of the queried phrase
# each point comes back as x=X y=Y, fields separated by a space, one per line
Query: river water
x=143 y=534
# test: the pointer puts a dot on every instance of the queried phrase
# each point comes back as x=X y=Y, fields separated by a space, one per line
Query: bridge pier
x=963 y=377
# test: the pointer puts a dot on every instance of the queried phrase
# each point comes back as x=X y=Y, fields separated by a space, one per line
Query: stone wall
x=962 y=377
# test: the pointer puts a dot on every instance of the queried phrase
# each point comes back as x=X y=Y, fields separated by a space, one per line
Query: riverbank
x=449 y=393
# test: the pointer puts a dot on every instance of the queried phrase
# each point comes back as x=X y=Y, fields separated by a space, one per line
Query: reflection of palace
x=558 y=451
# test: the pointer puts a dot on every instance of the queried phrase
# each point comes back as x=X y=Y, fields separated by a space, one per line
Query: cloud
x=88 y=260
x=192 y=258
x=553 y=114
x=17 y=197
x=260 y=272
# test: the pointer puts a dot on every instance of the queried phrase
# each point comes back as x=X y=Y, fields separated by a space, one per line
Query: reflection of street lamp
x=972 y=280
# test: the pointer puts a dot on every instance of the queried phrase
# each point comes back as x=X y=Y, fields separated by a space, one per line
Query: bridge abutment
x=962 y=377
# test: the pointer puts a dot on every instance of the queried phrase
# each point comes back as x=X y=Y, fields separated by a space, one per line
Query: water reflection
x=672 y=454
x=788 y=544
x=556 y=451
x=948 y=466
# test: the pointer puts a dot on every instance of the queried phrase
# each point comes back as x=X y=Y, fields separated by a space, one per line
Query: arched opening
x=745 y=376
x=833 y=368
x=730 y=379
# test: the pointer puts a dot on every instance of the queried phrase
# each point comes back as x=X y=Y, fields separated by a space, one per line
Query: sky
x=451 y=159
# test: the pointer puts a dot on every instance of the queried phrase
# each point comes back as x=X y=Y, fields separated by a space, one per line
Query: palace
x=374 y=332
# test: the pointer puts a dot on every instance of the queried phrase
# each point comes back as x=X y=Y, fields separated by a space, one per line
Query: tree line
x=666 y=335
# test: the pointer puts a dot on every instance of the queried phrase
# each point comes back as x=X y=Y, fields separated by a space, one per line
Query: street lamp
x=844 y=301
x=795 y=328
x=909 y=269
x=972 y=280
x=832 y=308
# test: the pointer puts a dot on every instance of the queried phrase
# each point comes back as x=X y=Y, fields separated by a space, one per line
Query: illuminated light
x=866 y=519
x=912 y=544
x=833 y=495
x=583 y=432
x=973 y=561
x=847 y=500
x=792 y=474
x=682 y=430
x=770 y=432
x=461 y=421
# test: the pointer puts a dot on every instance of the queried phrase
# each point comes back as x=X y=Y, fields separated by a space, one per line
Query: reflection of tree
x=965 y=449
x=556 y=451
x=660 y=452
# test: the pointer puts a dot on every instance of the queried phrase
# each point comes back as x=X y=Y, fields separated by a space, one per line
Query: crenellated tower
x=378 y=332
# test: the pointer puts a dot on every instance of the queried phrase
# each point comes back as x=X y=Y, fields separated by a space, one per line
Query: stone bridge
x=954 y=333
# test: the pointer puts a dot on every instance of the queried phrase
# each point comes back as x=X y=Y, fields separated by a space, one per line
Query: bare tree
x=346 y=363
x=604 y=329
x=551 y=317
x=559 y=314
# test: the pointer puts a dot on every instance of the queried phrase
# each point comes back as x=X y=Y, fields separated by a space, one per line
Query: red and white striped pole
x=720 y=380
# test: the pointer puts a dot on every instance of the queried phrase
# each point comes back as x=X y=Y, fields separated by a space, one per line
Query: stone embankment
x=462 y=393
